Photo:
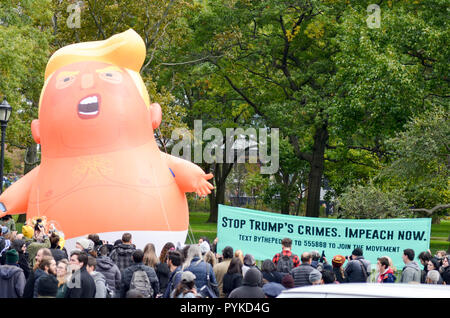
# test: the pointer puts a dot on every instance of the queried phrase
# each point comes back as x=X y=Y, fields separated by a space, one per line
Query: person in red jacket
x=286 y=260
x=386 y=273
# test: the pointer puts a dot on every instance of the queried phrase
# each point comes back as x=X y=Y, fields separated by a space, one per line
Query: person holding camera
x=358 y=268
x=40 y=240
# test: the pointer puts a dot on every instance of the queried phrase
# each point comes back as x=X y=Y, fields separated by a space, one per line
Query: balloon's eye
x=65 y=81
x=114 y=77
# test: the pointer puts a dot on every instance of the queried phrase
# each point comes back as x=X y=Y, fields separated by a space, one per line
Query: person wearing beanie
x=249 y=288
x=21 y=248
x=12 y=257
x=204 y=247
x=358 y=268
x=288 y=281
x=338 y=269
x=47 y=287
x=12 y=278
x=315 y=277
x=27 y=232
x=85 y=244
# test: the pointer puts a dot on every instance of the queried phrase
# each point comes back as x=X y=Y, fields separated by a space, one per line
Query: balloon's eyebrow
x=67 y=73
x=109 y=68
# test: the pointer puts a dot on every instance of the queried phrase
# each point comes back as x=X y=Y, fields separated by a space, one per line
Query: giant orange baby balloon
x=101 y=170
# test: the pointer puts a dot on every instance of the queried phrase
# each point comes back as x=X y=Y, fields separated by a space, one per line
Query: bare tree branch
x=433 y=210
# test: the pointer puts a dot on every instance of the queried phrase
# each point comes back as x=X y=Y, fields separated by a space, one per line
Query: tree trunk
x=448 y=249
x=31 y=160
x=284 y=195
x=316 y=172
x=217 y=196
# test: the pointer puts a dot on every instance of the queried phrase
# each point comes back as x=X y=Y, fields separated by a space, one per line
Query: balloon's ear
x=155 y=111
x=35 y=131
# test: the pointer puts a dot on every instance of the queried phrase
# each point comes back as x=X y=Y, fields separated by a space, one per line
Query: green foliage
x=420 y=163
x=25 y=39
x=369 y=202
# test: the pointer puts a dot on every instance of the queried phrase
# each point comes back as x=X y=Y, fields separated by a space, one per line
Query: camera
x=322 y=257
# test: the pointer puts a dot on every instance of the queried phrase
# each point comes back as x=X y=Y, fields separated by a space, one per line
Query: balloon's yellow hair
x=126 y=49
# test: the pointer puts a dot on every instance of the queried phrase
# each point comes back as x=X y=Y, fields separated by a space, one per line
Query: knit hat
x=47 y=286
x=188 y=276
x=27 y=231
x=338 y=261
x=252 y=277
x=357 y=252
x=204 y=247
x=288 y=281
x=314 y=276
x=86 y=244
x=12 y=257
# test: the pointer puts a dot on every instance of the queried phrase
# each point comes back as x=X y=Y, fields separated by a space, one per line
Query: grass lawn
x=199 y=227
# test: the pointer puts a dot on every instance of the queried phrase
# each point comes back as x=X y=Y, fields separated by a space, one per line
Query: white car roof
x=371 y=290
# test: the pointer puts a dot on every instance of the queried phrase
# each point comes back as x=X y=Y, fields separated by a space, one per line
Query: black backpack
x=285 y=263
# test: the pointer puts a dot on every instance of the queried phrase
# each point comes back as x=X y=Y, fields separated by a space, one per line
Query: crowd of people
x=34 y=264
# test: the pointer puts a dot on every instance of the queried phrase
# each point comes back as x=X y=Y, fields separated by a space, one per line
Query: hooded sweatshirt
x=12 y=281
x=249 y=288
x=100 y=284
x=122 y=255
x=111 y=272
x=411 y=273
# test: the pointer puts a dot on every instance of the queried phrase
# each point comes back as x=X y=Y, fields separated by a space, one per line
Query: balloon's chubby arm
x=188 y=176
x=15 y=198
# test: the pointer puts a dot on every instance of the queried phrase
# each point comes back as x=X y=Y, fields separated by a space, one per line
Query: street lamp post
x=5 y=112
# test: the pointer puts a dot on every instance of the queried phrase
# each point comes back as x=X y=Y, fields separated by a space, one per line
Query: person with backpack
x=139 y=277
x=358 y=268
x=286 y=260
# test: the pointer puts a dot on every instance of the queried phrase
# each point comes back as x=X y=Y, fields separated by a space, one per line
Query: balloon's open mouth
x=88 y=107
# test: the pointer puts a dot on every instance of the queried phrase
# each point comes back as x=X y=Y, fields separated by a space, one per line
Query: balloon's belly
x=99 y=207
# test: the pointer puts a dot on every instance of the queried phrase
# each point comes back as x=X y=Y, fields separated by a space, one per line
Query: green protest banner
x=260 y=234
